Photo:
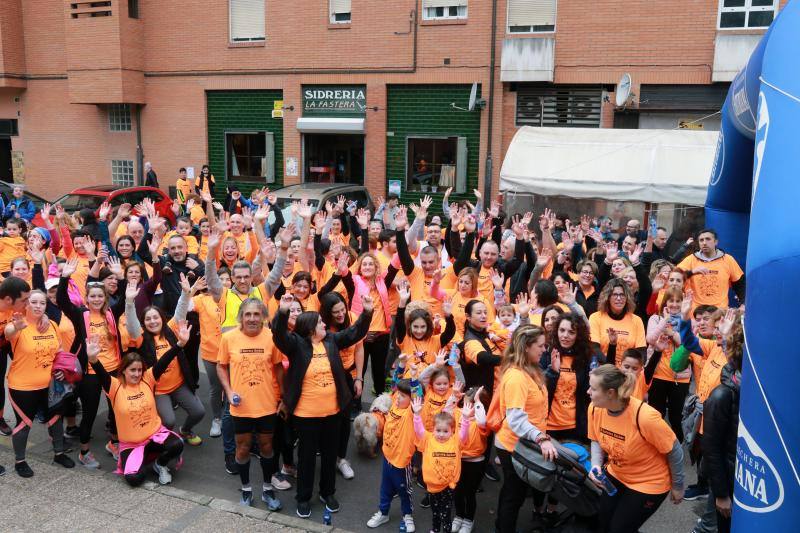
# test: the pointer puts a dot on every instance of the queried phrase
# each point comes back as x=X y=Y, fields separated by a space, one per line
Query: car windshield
x=285 y=205
x=75 y=202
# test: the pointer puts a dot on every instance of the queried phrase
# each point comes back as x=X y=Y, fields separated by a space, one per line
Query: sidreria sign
x=335 y=100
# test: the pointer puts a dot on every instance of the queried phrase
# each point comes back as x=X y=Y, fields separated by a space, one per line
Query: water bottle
x=601 y=477
x=236 y=400
x=452 y=360
x=326 y=517
x=402 y=526
x=594 y=363
x=653 y=226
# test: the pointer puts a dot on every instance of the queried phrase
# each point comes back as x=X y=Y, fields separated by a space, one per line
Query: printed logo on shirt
x=611 y=434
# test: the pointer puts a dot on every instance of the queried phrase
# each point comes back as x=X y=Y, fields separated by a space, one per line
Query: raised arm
x=274 y=279
x=356 y=332
x=132 y=323
x=183 y=334
x=214 y=283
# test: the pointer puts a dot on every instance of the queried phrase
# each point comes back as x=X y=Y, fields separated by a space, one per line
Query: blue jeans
x=395 y=481
x=228 y=433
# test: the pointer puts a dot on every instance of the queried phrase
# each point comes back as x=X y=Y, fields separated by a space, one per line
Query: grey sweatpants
x=185 y=399
x=214 y=389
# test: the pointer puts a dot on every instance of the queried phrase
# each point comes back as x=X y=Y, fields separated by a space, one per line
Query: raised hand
x=447 y=306
x=637 y=252
x=367 y=303
x=286 y=302
x=214 y=238
x=189 y=205
x=131 y=292
x=477 y=194
x=115 y=266
x=93 y=347
x=441 y=358
x=342 y=266
x=544 y=220
x=262 y=213
x=286 y=233
x=555 y=360
x=494 y=209
x=544 y=258
x=304 y=210
x=69 y=267
x=612 y=251
x=416 y=404
x=523 y=304
x=686 y=304
x=184 y=333
x=186 y=287
x=45 y=212
x=247 y=215
x=401 y=218
x=105 y=208
x=404 y=291
x=726 y=323
x=18 y=319
x=612 y=336
x=200 y=284
x=362 y=217
x=467 y=411
x=498 y=280
x=570 y=295
x=469 y=223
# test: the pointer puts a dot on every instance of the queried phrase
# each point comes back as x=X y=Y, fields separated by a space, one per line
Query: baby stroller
x=567 y=479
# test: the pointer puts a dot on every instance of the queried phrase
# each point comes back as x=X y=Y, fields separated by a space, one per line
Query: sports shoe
x=230 y=464
x=303 y=509
x=378 y=519
x=491 y=473
x=164 y=477
x=4 y=428
x=331 y=504
x=192 y=439
x=345 y=469
x=72 y=432
x=216 y=428
x=457 y=521
x=2 y=470
x=695 y=492
x=246 y=498
x=23 y=469
x=279 y=482
x=466 y=526
x=87 y=459
x=289 y=471
x=113 y=450
x=273 y=503
x=425 y=503
x=64 y=460
x=409 y=522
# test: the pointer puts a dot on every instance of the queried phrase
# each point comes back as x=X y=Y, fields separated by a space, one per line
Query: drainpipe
x=487 y=182
x=139 y=151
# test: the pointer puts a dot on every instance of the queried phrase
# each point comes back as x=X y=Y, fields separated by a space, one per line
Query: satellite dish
x=473 y=97
x=623 y=92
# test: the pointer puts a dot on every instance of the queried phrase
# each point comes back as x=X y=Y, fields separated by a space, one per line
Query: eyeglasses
x=618 y=296
x=95 y=284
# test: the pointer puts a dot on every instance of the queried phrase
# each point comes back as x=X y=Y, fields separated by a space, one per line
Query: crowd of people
x=478 y=328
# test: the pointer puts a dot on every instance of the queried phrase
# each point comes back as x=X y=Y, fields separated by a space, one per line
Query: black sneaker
x=230 y=464
x=2 y=470
x=491 y=472
x=72 y=432
x=303 y=509
x=64 y=460
x=426 y=501
x=695 y=492
x=23 y=470
x=330 y=503
x=4 y=428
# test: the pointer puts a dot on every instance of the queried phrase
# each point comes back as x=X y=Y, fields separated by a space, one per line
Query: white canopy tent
x=612 y=164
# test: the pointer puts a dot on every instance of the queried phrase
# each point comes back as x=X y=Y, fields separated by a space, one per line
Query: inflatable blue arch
x=754 y=203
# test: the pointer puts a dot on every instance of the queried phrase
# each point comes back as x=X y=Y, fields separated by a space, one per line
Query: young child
x=633 y=362
x=398 y=447
x=441 y=459
x=415 y=331
x=12 y=244
x=501 y=329
x=472 y=459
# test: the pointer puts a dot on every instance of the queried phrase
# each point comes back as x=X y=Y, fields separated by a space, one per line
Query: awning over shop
x=613 y=164
x=330 y=125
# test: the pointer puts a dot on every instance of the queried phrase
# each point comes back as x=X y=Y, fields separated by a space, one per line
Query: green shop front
x=432 y=140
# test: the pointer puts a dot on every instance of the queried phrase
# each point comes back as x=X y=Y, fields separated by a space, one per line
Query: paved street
x=55 y=498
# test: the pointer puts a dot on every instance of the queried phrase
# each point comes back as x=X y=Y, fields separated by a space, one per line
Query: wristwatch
x=541 y=437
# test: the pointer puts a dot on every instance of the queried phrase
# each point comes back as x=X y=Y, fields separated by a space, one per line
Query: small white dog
x=368 y=427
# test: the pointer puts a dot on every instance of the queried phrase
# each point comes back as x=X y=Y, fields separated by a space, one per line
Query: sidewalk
x=57 y=499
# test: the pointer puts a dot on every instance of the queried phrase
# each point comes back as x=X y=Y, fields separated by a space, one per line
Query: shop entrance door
x=333 y=158
x=6 y=172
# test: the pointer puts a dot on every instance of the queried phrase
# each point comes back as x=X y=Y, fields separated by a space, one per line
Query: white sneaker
x=466 y=526
x=409 y=520
x=345 y=469
x=216 y=428
x=378 y=519
x=457 y=521
x=164 y=477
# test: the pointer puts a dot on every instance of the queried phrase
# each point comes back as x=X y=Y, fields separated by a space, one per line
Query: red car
x=93 y=197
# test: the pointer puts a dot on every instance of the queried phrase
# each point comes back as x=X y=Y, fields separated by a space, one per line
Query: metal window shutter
x=340 y=6
x=683 y=97
x=461 y=165
x=531 y=12
x=443 y=3
x=247 y=19
x=269 y=158
x=559 y=106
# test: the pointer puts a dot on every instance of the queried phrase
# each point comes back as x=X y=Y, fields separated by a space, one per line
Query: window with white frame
x=738 y=14
x=119 y=117
x=444 y=9
x=247 y=20
x=531 y=16
x=122 y=172
x=340 y=11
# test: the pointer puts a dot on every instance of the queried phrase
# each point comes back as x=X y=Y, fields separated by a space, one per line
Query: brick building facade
x=357 y=90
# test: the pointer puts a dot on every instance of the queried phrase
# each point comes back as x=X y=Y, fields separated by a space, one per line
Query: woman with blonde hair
x=633 y=449
x=522 y=397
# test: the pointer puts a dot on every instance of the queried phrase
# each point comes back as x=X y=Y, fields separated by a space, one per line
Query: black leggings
x=471 y=476
x=442 y=509
x=344 y=434
x=667 y=397
x=512 y=495
x=375 y=352
x=282 y=445
x=31 y=402
x=169 y=450
x=627 y=510
x=90 y=391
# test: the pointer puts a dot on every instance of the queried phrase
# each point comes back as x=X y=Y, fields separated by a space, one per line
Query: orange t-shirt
x=432 y=405
x=485 y=286
x=251 y=362
x=518 y=390
x=172 y=378
x=109 y=351
x=471 y=350
x=183 y=188
x=135 y=408
x=640 y=388
x=664 y=371
x=33 y=352
x=318 y=397
x=630 y=332
x=715 y=360
x=348 y=355
x=398 y=436
x=460 y=314
x=11 y=248
x=441 y=462
x=424 y=349
x=66 y=329
x=712 y=288
x=637 y=456
x=420 y=285
x=476 y=438
x=378 y=322
x=210 y=318
x=562 y=408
